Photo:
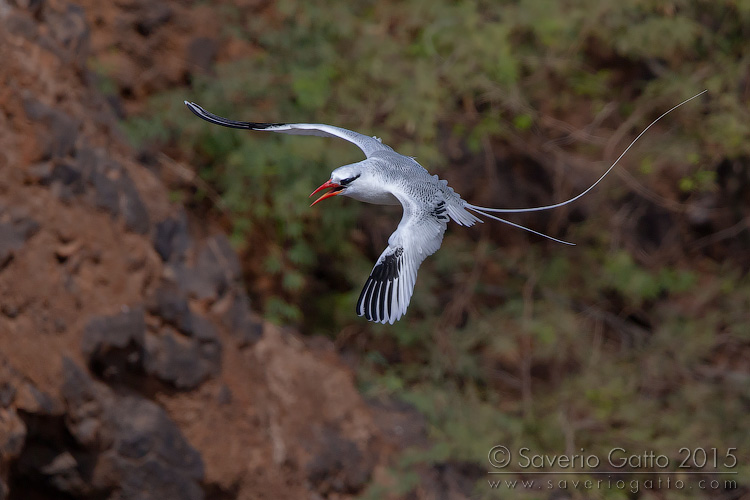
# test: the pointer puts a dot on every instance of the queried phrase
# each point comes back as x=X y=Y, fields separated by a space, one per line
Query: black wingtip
x=226 y=122
x=375 y=299
x=216 y=119
x=202 y=113
x=197 y=110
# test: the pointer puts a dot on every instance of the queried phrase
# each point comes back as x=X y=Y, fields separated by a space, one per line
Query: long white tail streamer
x=474 y=209
x=563 y=203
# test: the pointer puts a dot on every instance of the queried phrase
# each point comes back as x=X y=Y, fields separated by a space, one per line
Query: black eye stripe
x=344 y=182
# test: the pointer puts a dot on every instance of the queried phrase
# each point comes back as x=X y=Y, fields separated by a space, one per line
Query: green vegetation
x=639 y=337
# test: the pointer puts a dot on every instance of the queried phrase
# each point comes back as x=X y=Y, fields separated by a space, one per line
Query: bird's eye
x=349 y=180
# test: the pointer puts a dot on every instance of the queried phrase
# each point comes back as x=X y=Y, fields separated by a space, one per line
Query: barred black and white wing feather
x=387 y=292
x=367 y=144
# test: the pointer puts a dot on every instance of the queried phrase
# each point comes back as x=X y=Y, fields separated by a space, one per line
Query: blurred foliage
x=637 y=338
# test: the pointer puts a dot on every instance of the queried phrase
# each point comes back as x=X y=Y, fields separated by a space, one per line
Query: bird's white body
x=386 y=177
x=428 y=202
x=390 y=178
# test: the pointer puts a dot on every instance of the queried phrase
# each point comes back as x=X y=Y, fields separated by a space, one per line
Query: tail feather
x=461 y=215
x=571 y=200
x=480 y=212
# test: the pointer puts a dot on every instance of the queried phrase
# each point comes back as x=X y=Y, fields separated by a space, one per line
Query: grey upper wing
x=367 y=144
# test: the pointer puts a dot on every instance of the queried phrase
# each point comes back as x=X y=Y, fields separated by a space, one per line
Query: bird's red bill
x=335 y=189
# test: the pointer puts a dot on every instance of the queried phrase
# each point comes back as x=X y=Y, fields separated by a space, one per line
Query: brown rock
x=258 y=414
x=12 y=435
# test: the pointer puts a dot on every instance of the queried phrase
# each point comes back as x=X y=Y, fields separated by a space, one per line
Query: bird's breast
x=378 y=198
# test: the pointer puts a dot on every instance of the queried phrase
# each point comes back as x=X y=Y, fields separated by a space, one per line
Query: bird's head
x=343 y=181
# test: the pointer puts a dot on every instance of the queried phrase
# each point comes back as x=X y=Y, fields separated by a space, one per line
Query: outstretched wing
x=368 y=145
x=387 y=292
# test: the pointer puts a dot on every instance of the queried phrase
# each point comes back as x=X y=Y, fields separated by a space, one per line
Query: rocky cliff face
x=131 y=363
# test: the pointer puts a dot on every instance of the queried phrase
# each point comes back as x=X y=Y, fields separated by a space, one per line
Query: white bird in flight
x=386 y=177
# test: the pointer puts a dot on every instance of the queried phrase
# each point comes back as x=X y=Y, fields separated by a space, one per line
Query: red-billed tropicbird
x=386 y=177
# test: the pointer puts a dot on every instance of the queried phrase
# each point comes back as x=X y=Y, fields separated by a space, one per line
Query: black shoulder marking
x=439 y=212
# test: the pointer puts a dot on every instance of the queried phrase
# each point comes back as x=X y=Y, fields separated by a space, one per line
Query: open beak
x=335 y=189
